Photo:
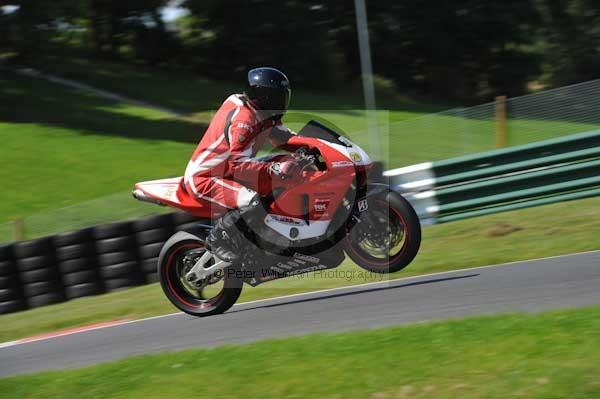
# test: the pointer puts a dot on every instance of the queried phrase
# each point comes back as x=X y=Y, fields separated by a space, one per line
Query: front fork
x=200 y=272
x=360 y=217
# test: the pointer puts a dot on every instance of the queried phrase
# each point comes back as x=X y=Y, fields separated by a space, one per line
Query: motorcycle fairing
x=295 y=264
x=311 y=204
x=296 y=229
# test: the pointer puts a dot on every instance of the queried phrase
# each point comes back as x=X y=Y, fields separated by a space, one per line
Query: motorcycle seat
x=172 y=192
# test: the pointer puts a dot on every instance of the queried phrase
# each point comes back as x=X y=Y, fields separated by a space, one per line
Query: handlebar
x=304 y=158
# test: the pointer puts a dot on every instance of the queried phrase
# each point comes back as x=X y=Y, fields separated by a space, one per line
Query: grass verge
x=62 y=146
x=548 y=355
x=524 y=234
x=72 y=146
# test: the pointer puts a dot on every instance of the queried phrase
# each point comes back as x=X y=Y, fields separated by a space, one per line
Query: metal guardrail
x=535 y=174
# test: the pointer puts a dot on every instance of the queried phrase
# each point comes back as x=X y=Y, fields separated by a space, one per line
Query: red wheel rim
x=169 y=274
x=385 y=261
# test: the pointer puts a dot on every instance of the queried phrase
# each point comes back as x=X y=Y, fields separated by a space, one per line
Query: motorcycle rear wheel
x=392 y=242
x=172 y=266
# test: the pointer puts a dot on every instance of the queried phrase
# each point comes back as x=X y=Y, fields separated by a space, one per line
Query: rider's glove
x=285 y=169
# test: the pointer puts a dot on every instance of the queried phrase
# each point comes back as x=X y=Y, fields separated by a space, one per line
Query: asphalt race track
x=560 y=282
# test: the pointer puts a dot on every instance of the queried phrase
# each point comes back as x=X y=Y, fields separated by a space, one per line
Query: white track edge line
x=26 y=341
x=9 y=343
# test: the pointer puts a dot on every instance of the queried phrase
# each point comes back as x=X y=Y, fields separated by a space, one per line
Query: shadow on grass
x=187 y=92
x=30 y=100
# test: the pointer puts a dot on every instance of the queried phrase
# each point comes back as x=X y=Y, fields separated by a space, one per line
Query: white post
x=367 y=76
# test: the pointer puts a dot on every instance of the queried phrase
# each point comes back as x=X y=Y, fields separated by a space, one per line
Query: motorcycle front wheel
x=214 y=295
x=386 y=239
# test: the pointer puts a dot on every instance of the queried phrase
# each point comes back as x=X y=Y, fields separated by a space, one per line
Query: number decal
x=363 y=205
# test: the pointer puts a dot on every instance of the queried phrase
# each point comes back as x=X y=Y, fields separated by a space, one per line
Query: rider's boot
x=223 y=239
x=226 y=237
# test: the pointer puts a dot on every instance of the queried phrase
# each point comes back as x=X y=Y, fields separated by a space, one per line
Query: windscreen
x=318 y=130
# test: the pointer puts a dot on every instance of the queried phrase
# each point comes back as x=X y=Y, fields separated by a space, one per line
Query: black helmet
x=268 y=89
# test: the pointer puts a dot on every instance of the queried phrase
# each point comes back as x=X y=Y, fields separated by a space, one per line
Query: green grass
x=62 y=147
x=454 y=133
x=525 y=234
x=446 y=135
x=108 y=208
x=548 y=355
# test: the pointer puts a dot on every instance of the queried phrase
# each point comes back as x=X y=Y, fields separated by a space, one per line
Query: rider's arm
x=279 y=136
x=241 y=165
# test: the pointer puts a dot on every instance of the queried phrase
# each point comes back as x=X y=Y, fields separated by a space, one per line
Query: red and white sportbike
x=334 y=210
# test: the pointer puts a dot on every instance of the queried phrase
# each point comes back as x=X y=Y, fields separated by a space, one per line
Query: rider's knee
x=246 y=197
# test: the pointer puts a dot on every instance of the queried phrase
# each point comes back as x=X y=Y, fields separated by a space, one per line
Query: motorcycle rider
x=223 y=172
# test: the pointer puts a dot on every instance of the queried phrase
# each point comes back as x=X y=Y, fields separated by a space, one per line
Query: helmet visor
x=271 y=99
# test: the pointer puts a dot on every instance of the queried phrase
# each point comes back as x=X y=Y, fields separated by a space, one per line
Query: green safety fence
x=535 y=174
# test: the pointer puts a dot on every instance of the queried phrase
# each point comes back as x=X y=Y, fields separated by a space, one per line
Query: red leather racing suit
x=223 y=171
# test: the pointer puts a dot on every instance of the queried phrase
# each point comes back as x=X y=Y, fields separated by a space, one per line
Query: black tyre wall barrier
x=85 y=262
x=118 y=259
x=38 y=273
x=77 y=263
x=151 y=233
x=11 y=292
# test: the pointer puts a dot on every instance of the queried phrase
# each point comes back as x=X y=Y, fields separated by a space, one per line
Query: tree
x=31 y=25
x=572 y=33
x=469 y=49
x=463 y=48
x=134 y=23
x=244 y=34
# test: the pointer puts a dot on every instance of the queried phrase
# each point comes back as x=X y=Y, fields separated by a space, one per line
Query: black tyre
x=116 y=258
x=76 y=265
x=73 y=237
x=8 y=294
x=42 y=287
x=120 y=283
x=112 y=230
x=28 y=249
x=81 y=290
x=35 y=262
x=163 y=222
x=75 y=251
x=46 y=274
x=149 y=265
x=85 y=276
x=7 y=267
x=151 y=278
x=125 y=269
x=45 y=299
x=387 y=239
x=180 y=218
x=116 y=244
x=6 y=252
x=12 y=306
x=9 y=281
x=195 y=228
x=177 y=256
x=150 y=250
x=153 y=236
